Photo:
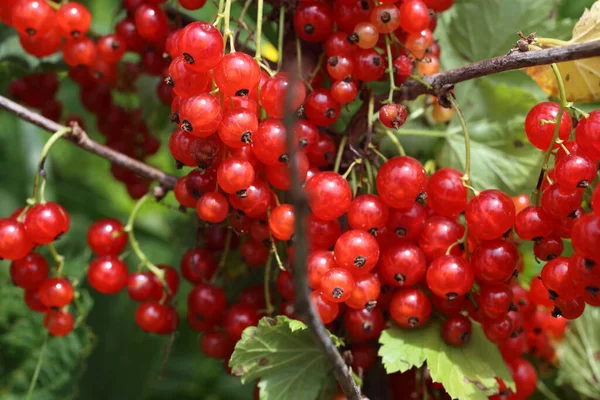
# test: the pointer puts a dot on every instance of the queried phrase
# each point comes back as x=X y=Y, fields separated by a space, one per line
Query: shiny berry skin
x=369 y=65
x=337 y=285
x=285 y=286
x=150 y=316
x=29 y=272
x=337 y=45
x=275 y=89
x=438 y=234
x=279 y=175
x=402 y=264
x=313 y=21
x=410 y=307
x=107 y=274
x=559 y=204
x=258 y=201
x=499 y=330
x=198 y=265
x=46 y=222
x=80 y=52
x=32 y=300
x=557 y=278
x=494 y=261
x=14 y=241
x=111 y=48
x=414 y=16
x=400 y=180
x=32 y=17
x=269 y=143
x=329 y=195
x=357 y=251
x=127 y=31
x=140 y=286
x=317 y=264
x=495 y=300
x=238 y=127
x=323 y=153
x=403 y=68
x=238 y=318
x=200 y=115
x=73 y=20
x=456 y=330
x=320 y=107
x=525 y=377
x=344 y=91
x=385 y=18
x=327 y=311
x=151 y=23
x=237 y=74
x=216 y=345
x=59 y=322
x=539 y=131
x=393 y=115
x=41 y=46
x=56 y=292
x=446 y=193
x=212 y=207
x=185 y=81
x=568 y=308
x=201 y=45
x=365 y=35
x=282 y=222
x=208 y=301
x=450 y=307
x=574 y=171
x=367 y=212
x=534 y=223
x=450 y=277
x=339 y=67
x=254 y=253
x=107 y=237
x=234 y=175
x=548 y=248
x=363 y=325
x=407 y=224
x=365 y=293
x=587 y=134
x=322 y=234
x=490 y=214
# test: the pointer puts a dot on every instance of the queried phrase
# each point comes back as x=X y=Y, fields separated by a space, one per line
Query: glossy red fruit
x=212 y=207
x=525 y=377
x=548 y=248
x=275 y=89
x=344 y=91
x=393 y=115
x=438 y=234
x=534 y=223
x=400 y=180
x=365 y=293
x=490 y=214
x=55 y=292
x=499 y=330
x=321 y=108
x=107 y=237
x=111 y=48
x=363 y=325
x=59 y=322
x=368 y=212
x=402 y=264
x=357 y=251
x=238 y=127
x=238 y=318
x=494 y=261
x=446 y=193
x=407 y=224
x=151 y=315
x=201 y=45
x=318 y=263
x=585 y=236
x=14 y=241
x=258 y=201
x=200 y=115
x=234 y=175
x=574 y=171
x=80 y=52
x=279 y=175
x=495 y=300
x=538 y=128
x=151 y=23
x=456 y=330
x=450 y=307
x=41 y=46
x=568 y=308
x=282 y=222
x=73 y=20
x=450 y=277
x=329 y=195
x=107 y=274
x=369 y=65
x=185 y=81
x=285 y=286
x=32 y=300
x=237 y=74
x=140 y=286
x=254 y=253
x=198 y=265
x=414 y=16
x=313 y=21
x=410 y=307
x=29 y=272
x=337 y=285
x=327 y=311
x=207 y=300
x=32 y=17
x=322 y=234
x=269 y=143
x=216 y=345
x=557 y=278
x=46 y=222
x=559 y=204
x=587 y=135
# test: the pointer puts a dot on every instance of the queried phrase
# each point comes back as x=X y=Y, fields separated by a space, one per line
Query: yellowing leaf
x=581 y=77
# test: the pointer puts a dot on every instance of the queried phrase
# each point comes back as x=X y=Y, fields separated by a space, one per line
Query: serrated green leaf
x=467 y=373
x=282 y=353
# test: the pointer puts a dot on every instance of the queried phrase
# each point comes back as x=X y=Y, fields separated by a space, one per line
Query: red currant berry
x=151 y=23
x=450 y=277
x=329 y=195
x=216 y=345
x=337 y=285
x=400 y=180
x=410 y=307
x=559 y=204
x=282 y=222
x=59 y=322
x=363 y=325
x=46 y=222
x=321 y=108
x=557 y=278
x=198 y=265
x=446 y=193
x=548 y=248
x=393 y=115
x=29 y=272
x=357 y=251
x=107 y=237
x=237 y=74
x=456 y=330
x=327 y=311
x=140 y=286
x=402 y=264
x=313 y=21
x=275 y=89
x=318 y=263
x=14 y=241
x=534 y=223
x=150 y=316
x=208 y=301
x=368 y=212
x=495 y=300
x=73 y=20
x=490 y=214
x=414 y=16
x=107 y=274
x=238 y=318
x=55 y=292
x=32 y=17
x=499 y=330
x=494 y=261
x=439 y=233
x=540 y=123
x=574 y=171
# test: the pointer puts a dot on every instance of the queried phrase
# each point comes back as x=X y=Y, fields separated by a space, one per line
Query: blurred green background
x=109 y=357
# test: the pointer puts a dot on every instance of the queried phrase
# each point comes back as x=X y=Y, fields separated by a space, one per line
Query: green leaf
x=487 y=28
x=282 y=353
x=501 y=156
x=467 y=373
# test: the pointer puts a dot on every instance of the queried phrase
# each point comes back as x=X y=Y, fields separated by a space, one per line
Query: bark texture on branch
x=81 y=139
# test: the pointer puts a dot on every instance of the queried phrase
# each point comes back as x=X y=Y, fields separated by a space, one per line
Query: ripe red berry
x=327 y=311
x=585 y=236
x=269 y=143
x=540 y=124
x=151 y=316
x=238 y=127
x=200 y=115
x=318 y=263
x=525 y=377
x=237 y=74
x=14 y=241
x=59 y=322
x=275 y=89
x=254 y=253
x=568 y=308
x=234 y=175
x=32 y=17
x=450 y=307
x=151 y=23
x=402 y=264
x=559 y=204
x=400 y=180
x=329 y=195
x=456 y=330
x=450 y=277
x=46 y=222
x=282 y=222
x=212 y=207
x=198 y=265
x=410 y=307
x=56 y=292
x=216 y=345
x=337 y=285
x=446 y=193
x=534 y=223
x=494 y=261
x=313 y=21
x=368 y=65
x=587 y=135
x=140 y=286
x=548 y=248
x=29 y=272
x=285 y=286
x=107 y=274
x=393 y=115
x=107 y=237
x=111 y=48
x=201 y=45
x=414 y=16
x=574 y=171
x=557 y=278
x=368 y=212
x=365 y=292
x=495 y=300
x=363 y=325
x=438 y=234
x=80 y=52
x=238 y=318
x=357 y=251
x=490 y=214
x=207 y=300
x=499 y=330
x=407 y=224
x=321 y=108
x=73 y=20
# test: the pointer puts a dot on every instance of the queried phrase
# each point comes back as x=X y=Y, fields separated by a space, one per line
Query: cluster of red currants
x=38 y=91
x=20 y=234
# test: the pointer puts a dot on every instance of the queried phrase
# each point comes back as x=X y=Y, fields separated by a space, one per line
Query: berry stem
x=467 y=176
x=259 y=18
x=267 y=286
x=135 y=246
x=421 y=132
x=419 y=79
x=219 y=14
x=59 y=260
x=396 y=142
x=227 y=33
x=53 y=4
x=40 y=175
x=280 y=32
x=551 y=42
x=38 y=367
x=276 y=253
x=351 y=168
x=225 y=253
x=340 y=152
x=370 y=175
x=388 y=49
x=379 y=154
x=579 y=111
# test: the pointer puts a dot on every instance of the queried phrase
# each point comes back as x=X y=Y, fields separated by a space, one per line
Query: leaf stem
x=280 y=33
x=340 y=152
x=370 y=175
x=467 y=176
x=259 y=19
x=38 y=367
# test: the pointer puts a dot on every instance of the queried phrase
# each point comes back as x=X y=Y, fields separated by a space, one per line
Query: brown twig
x=81 y=139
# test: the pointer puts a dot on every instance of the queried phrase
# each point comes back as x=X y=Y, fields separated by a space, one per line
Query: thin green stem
x=420 y=132
x=38 y=367
x=259 y=21
x=276 y=254
x=299 y=58
x=280 y=33
x=219 y=14
x=351 y=168
x=267 y=286
x=40 y=175
x=59 y=261
x=390 y=59
x=370 y=175
x=318 y=67
x=467 y=176
x=227 y=33
x=551 y=42
x=418 y=78
x=225 y=253
x=354 y=182
x=376 y=151
x=340 y=152
x=396 y=142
